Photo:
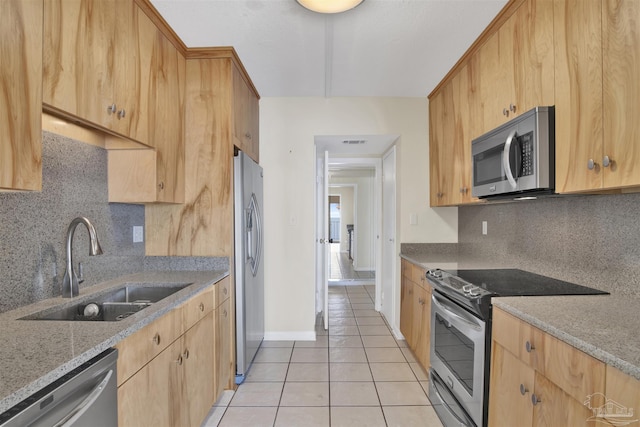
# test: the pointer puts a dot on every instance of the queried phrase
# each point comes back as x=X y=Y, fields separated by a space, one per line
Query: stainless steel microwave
x=518 y=158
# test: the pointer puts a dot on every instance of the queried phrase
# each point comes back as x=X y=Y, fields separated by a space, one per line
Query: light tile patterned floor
x=341 y=267
x=354 y=374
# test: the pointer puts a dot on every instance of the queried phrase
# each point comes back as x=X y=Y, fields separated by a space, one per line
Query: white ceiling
x=399 y=48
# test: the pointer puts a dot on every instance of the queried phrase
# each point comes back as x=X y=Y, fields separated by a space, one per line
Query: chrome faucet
x=70 y=280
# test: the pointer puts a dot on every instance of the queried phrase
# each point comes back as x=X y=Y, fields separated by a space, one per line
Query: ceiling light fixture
x=329 y=6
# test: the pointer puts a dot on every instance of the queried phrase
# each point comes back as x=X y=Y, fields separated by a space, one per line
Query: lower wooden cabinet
x=415 y=311
x=224 y=364
x=171 y=372
x=550 y=389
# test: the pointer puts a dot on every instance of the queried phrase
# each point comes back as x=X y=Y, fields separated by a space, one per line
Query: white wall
x=287 y=154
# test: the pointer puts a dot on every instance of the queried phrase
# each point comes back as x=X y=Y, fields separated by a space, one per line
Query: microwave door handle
x=505 y=160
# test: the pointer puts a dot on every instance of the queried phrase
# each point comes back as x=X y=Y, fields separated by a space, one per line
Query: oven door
x=457 y=354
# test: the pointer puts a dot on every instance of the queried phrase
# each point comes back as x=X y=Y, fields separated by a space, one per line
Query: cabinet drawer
x=138 y=349
x=574 y=371
x=197 y=308
x=520 y=338
x=418 y=276
x=223 y=291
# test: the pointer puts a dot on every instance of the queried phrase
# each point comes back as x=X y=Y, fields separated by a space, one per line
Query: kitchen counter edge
x=88 y=339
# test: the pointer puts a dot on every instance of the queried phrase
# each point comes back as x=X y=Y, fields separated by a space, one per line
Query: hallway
x=341 y=268
x=354 y=374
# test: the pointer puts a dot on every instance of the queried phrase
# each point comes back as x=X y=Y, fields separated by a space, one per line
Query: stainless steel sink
x=112 y=305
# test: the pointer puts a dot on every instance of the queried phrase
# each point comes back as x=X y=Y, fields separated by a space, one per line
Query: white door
x=389 y=249
x=322 y=236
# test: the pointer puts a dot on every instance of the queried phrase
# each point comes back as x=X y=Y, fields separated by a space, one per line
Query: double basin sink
x=112 y=305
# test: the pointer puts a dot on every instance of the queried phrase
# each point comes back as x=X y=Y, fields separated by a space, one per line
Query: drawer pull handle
x=535 y=399
x=201 y=306
x=186 y=354
x=156 y=339
x=111 y=108
x=224 y=291
x=528 y=346
x=121 y=114
x=179 y=360
x=523 y=389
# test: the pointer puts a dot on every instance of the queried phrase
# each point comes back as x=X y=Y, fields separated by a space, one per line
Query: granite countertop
x=603 y=326
x=34 y=353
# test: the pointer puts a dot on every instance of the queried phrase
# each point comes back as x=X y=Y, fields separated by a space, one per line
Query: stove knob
x=437 y=273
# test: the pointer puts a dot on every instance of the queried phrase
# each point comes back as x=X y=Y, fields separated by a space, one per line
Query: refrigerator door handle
x=254 y=215
x=249 y=231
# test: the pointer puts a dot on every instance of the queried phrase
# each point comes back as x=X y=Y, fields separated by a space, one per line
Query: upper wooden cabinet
x=21 y=100
x=598 y=59
x=453 y=119
x=245 y=116
x=90 y=62
x=151 y=176
x=516 y=65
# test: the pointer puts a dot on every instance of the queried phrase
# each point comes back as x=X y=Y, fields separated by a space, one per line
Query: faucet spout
x=70 y=281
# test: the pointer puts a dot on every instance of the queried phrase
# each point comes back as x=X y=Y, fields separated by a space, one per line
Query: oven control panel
x=447 y=280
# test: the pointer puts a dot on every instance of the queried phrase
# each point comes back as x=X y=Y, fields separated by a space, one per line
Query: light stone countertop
x=35 y=353
x=607 y=327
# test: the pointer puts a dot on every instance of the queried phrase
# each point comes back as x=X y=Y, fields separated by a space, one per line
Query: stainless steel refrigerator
x=249 y=268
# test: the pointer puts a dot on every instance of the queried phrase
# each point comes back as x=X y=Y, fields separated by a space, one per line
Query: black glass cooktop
x=514 y=282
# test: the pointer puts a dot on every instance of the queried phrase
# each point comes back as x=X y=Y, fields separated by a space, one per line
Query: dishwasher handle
x=83 y=406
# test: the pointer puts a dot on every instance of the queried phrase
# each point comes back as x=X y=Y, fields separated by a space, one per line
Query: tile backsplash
x=590 y=240
x=33 y=227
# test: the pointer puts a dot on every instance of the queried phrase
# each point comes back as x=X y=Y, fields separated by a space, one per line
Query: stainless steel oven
x=461 y=335
x=457 y=361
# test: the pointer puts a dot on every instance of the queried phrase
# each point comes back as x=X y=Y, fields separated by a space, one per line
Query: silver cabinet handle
x=111 y=108
x=121 y=114
x=156 y=339
x=606 y=161
x=247 y=135
x=591 y=164
x=535 y=399
x=186 y=354
x=523 y=389
x=528 y=346
x=512 y=108
x=179 y=360
x=505 y=112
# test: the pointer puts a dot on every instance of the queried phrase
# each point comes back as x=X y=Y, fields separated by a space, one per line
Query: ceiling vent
x=354 y=141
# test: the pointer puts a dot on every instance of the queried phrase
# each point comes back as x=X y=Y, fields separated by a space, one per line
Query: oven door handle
x=459 y=314
x=506 y=164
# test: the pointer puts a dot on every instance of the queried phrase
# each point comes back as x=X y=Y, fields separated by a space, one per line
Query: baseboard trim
x=290 y=336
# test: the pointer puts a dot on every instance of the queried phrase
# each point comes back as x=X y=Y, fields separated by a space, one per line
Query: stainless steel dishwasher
x=86 y=396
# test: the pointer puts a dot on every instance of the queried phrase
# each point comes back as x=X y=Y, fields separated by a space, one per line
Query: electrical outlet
x=138 y=234
x=484 y=228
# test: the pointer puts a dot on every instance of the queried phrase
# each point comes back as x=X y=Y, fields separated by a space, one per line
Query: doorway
x=337 y=154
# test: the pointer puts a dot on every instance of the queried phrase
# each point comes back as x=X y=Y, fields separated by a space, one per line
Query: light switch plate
x=138 y=234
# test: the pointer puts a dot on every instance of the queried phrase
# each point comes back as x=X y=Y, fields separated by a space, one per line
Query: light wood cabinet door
x=453 y=116
x=421 y=328
x=508 y=406
x=245 y=116
x=201 y=227
x=624 y=392
x=92 y=64
x=21 y=101
x=621 y=91
x=406 y=309
x=161 y=102
x=442 y=179
x=555 y=407
x=578 y=107
x=153 y=396
x=517 y=65
x=224 y=363
x=198 y=375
